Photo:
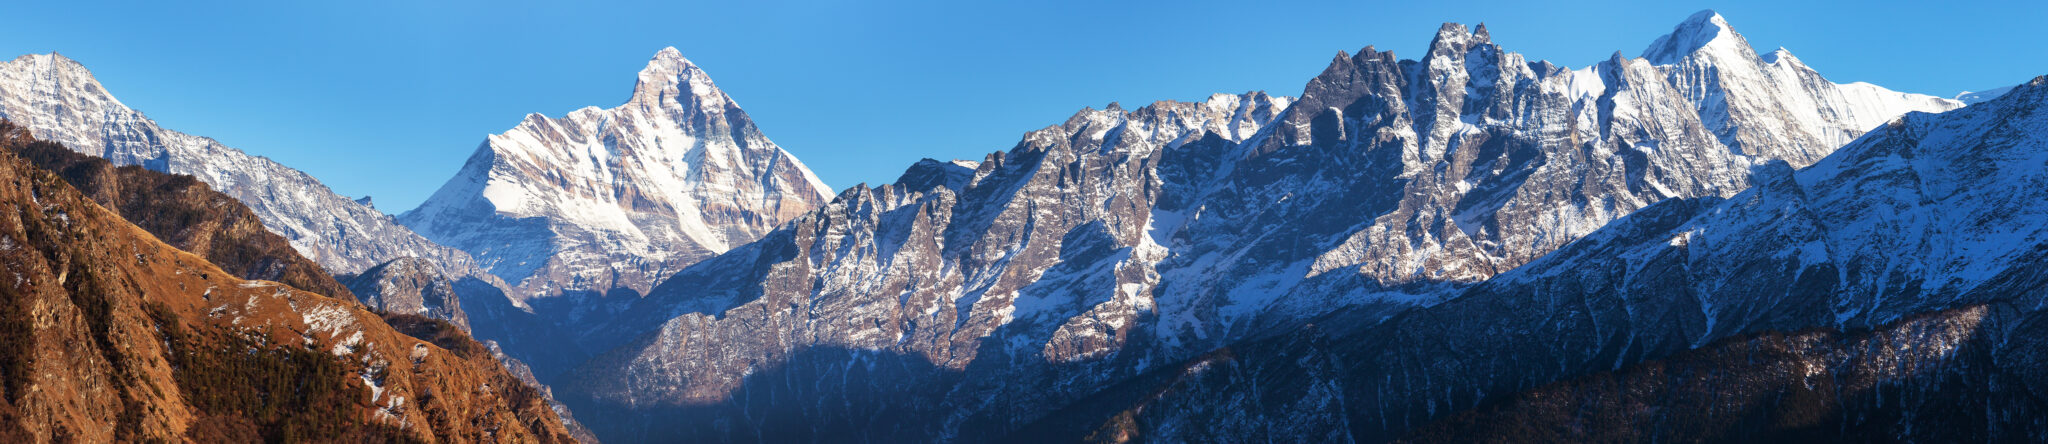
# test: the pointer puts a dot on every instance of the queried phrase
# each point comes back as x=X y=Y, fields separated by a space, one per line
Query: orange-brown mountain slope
x=181 y=211
x=109 y=335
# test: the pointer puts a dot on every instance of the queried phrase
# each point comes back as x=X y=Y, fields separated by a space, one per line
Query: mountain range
x=961 y=303
x=1896 y=277
x=1468 y=245
x=58 y=100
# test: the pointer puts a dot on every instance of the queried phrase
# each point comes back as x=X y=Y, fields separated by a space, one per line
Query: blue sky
x=388 y=99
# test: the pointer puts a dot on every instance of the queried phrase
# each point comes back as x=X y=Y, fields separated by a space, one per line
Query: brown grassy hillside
x=108 y=334
x=181 y=211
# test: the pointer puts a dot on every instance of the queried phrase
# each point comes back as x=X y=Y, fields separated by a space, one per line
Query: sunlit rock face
x=58 y=100
x=409 y=286
x=969 y=298
x=107 y=334
x=607 y=200
x=1925 y=213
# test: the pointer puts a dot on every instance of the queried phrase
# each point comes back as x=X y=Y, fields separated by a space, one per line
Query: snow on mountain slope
x=620 y=198
x=1633 y=134
x=1973 y=97
x=1122 y=240
x=1789 y=111
x=58 y=100
x=917 y=274
x=1928 y=212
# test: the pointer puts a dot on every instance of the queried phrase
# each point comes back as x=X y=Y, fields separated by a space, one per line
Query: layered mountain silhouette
x=1701 y=242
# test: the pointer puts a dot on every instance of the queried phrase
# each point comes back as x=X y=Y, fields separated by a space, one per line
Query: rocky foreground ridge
x=112 y=335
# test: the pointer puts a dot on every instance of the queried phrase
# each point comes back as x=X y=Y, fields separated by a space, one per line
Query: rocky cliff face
x=1771 y=105
x=968 y=298
x=180 y=211
x=618 y=199
x=907 y=280
x=409 y=286
x=1928 y=212
x=1503 y=161
x=107 y=334
x=58 y=100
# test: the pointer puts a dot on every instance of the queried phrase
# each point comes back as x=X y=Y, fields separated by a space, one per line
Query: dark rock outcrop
x=1958 y=375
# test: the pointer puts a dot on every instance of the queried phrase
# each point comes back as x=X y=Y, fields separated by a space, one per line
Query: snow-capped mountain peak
x=1705 y=30
x=672 y=81
x=605 y=198
x=1456 y=37
x=1782 y=55
x=1770 y=105
x=57 y=65
x=1122 y=238
x=63 y=90
x=54 y=68
x=59 y=100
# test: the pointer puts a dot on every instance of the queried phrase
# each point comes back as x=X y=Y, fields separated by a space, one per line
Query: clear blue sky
x=388 y=99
